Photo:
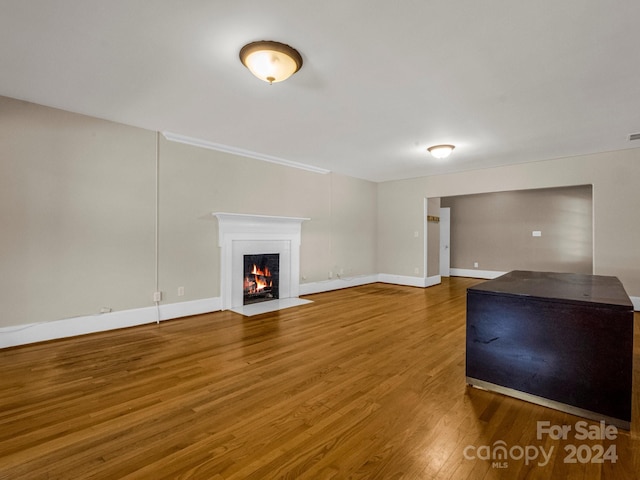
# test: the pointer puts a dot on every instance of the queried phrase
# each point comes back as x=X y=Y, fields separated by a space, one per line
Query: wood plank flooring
x=364 y=383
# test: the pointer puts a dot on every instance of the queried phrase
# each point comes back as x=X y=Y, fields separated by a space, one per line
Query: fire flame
x=262 y=273
x=261 y=279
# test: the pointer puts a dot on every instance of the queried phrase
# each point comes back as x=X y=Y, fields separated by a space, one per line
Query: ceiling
x=505 y=81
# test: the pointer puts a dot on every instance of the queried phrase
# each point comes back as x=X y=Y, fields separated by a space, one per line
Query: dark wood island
x=561 y=340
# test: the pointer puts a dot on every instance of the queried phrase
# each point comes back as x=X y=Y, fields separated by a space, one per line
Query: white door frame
x=445 y=241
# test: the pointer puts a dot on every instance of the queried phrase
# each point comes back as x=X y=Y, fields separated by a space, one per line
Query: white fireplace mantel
x=242 y=234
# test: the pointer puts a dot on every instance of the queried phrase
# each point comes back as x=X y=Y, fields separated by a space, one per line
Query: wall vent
x=634 y=136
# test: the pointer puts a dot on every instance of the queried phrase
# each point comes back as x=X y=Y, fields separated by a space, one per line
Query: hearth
x=261 y=277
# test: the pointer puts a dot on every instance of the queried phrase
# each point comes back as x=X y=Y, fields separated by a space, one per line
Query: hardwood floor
x=364 y=383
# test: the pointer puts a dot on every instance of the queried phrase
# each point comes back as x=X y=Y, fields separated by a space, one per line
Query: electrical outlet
x=105 y=310
x=330 y=274
x=475 y=264
x=157 y=296
x=181 y=291
x=416 y=271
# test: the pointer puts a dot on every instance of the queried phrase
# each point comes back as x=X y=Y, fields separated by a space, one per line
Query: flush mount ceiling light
x=441 y=151
x=271 y=61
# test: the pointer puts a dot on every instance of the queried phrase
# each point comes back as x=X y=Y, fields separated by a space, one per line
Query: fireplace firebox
x=261 y=277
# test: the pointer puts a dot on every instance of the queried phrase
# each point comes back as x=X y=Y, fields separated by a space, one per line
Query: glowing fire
x=260 y=280
x=263 y=273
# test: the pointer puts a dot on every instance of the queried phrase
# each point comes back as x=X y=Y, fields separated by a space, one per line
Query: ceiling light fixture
x=441 y=151
x=271 y=61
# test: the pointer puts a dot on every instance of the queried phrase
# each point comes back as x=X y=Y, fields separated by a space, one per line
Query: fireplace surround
x=242 y=234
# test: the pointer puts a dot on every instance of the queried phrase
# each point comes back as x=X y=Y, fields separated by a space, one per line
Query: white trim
x=196 y=142
x=425 y=236
x=187 y=309
x=409 y=281
x=249 y=222
x=336 y=284
x=39 y=332
x=472 y=273
x=445 y=230
x=71 y=327
x=401 y=280
x=433 y=280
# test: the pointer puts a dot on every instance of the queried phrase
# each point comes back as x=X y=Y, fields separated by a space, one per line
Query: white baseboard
x=71 y=327
x=193 y=307
x=473 y=273
x=431 y=281
x=336 y=284
x=401 y=280
x=409 y=281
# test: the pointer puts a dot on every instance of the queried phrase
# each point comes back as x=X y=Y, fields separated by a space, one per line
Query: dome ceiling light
x=271 y=61
x=441 y=151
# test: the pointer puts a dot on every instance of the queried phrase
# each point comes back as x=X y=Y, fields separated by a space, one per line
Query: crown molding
x=196 y=142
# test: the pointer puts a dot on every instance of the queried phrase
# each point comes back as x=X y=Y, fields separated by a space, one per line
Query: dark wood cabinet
x=560 y=340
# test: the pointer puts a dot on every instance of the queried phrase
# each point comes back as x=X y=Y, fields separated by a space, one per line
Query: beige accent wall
x=340 y=237
x=400 y=215
x=615 y=177
x=78 y=213
x=496 y=230
x=77 y=203
x=353 y=229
